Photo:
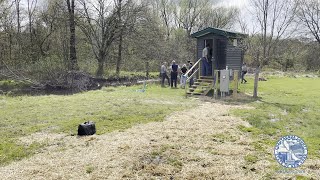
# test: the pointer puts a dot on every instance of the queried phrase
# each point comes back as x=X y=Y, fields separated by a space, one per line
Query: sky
x=243 y=5
x=237 y=3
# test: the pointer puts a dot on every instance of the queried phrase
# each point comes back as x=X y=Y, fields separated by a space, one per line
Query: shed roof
x=218 y=31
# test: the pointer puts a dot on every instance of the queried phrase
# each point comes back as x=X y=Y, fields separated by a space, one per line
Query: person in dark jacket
x=174 y=74
x=184 y=76
x=191 y=72
x=244 y=71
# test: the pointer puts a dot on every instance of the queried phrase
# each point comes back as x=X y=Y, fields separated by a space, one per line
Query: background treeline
x=283 y=35
x=42 y=40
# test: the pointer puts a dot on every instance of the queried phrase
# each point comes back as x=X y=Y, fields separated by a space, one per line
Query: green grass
x=288 y=106
x=89 y=169
x=251 y=159
x=224 y=137
x=130 y=74
x=110 y=108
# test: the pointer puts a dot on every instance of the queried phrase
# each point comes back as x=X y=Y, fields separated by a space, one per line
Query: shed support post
x=216 y=81
x=236 y=82
x=200 y=63
x=212 y=69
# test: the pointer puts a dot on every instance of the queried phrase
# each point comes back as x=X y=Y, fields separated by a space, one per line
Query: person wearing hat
x=184 y=76
x=174 y=74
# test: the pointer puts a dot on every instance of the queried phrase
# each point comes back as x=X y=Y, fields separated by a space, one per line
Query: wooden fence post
x=256 y=80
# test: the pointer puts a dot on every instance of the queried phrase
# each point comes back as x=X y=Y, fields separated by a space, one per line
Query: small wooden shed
x=225 y=47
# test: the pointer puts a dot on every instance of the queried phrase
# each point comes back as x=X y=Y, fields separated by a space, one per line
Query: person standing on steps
x=184 y=76
x=174 y=74
x=205 y=60
x=163 y=74
x=244 y=71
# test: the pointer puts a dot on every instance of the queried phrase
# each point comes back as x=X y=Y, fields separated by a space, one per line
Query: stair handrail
x=190 y=70
x=192 y=74
x=195 y=64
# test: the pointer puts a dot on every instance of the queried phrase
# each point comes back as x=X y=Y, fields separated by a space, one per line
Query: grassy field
x=287 y=106
x=111 y=109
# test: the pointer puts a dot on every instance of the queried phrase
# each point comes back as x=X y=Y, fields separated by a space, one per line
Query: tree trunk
x=73 y=53
x=119 y=55
x=18 y=27
x=30 y=21
x=100 y=69
x=147 y=69
x=101 y=61
x=30 y=31
x=18 y=15
x=265 y=21
x=256 y=80
x=120 y=39
x=10 y=47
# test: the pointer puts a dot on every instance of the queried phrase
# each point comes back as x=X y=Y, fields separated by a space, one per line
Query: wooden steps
x=206 y=77
x=195 y=86
x=201 y=86
x=195 y=94
x=205 y=80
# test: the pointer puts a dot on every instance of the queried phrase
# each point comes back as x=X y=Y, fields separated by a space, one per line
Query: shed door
x=220 y=53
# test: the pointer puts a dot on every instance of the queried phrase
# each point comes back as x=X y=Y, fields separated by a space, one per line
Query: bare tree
x=274 y=18
x=309 y=14
x=218 y=17
x=188 y=12
x=104 y=23
x=127 y=15
x=100 y=27
x=166 y=8
x=47 y=22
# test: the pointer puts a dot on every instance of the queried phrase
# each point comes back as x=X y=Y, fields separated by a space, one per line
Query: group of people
x=176 y=70
x=207 y=61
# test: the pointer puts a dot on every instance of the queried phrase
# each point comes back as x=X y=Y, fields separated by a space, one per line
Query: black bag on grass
x=87 y=128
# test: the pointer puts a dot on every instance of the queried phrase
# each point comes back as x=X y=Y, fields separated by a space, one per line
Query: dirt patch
x=202 y=143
